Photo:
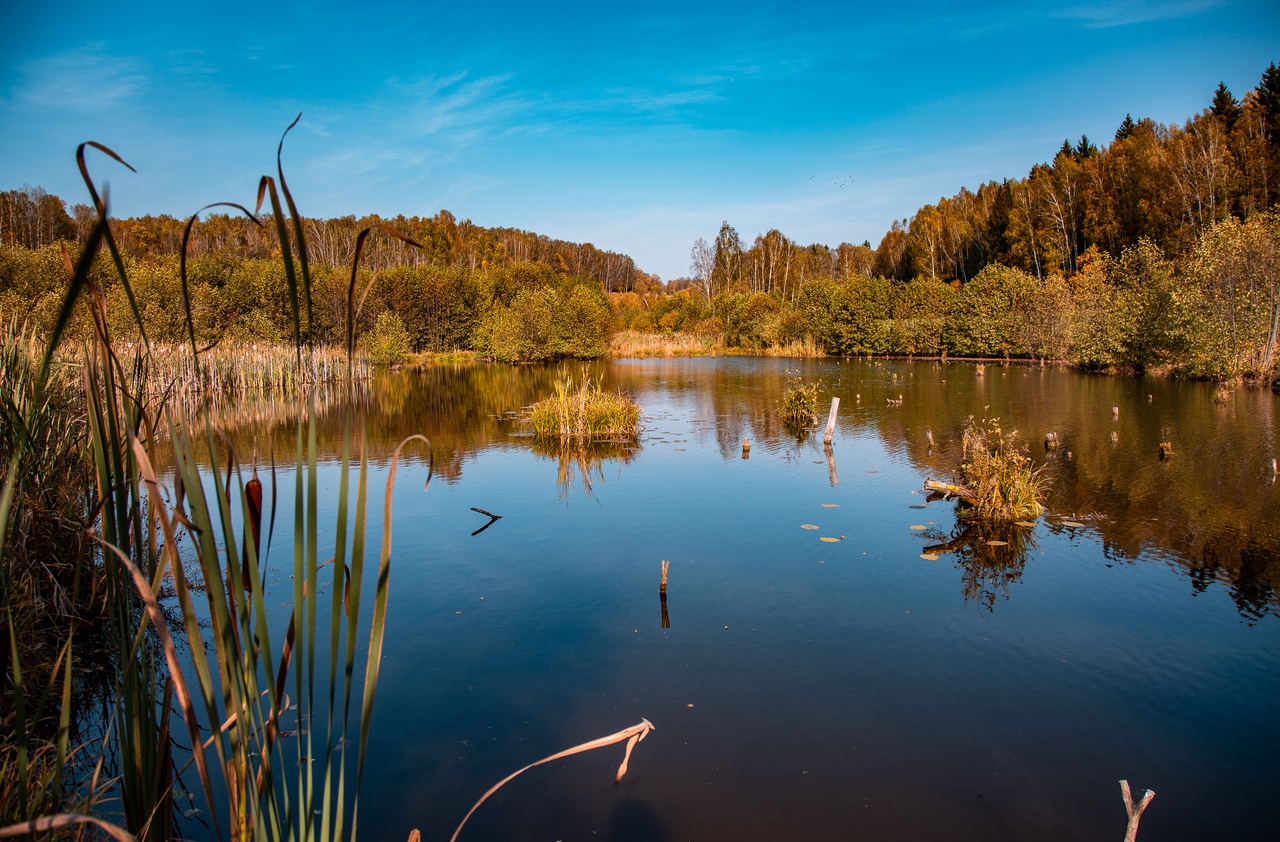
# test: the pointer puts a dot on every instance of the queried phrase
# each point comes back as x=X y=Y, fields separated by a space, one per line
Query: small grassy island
x=585 y=414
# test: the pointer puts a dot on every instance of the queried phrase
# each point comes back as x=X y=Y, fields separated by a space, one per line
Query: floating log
x=948 y=489
x=831 y=422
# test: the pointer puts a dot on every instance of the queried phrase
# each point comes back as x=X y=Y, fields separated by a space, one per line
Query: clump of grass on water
x=799 y=401
x=997 y=473
x=585 y=414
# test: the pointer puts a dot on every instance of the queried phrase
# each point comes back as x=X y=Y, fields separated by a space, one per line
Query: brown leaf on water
x=997 y=543
x=831 y=540
x=919 y=527
x=1073 y=524
x=929 y=556
x=830 y=505
x=808 y=526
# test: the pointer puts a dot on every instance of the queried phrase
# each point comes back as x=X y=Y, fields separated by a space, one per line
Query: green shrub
x=388 y=344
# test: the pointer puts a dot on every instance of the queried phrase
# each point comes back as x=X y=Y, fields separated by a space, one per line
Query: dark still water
x=828 y=690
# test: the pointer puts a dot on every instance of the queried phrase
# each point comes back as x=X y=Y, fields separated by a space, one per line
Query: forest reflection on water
x=1210 y=512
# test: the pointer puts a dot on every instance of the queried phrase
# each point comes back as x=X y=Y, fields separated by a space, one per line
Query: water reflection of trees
x=1209 y=510
x=991 y=557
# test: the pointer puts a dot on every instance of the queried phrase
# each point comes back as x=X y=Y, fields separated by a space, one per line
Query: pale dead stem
x=632 y=735
x=48 y=824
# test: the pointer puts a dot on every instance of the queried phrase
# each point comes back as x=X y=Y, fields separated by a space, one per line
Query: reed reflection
x=991 y=558
x=581 y=464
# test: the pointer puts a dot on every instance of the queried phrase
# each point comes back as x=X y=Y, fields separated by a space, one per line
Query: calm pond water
x=815 y=690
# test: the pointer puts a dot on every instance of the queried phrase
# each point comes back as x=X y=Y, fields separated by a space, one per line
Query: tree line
x=1159 y=249
x=30 y=217
x=1165 y=184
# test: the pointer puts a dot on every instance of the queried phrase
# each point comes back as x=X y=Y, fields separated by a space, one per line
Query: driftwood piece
x=492 y=520
x=948 y=489
x=1134 y=810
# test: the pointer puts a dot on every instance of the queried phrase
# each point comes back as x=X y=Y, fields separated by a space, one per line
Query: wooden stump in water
x=831 y=422
x=662 y=594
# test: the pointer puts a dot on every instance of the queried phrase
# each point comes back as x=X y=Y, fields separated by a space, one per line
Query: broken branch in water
x=1134 y=811
x=492 y=519
x=632 y=735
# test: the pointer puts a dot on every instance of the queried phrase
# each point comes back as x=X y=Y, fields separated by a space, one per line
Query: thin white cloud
x=1126 y=12
x=84 y=80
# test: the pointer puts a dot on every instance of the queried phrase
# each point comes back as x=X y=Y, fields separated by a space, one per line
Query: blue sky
x=637 y=129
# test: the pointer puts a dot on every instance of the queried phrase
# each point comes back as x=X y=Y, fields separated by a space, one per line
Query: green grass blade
x=303 y=263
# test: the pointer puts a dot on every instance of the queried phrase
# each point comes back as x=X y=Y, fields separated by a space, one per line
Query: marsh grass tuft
x=998 y=473
x=585 y=414
x=799 y=402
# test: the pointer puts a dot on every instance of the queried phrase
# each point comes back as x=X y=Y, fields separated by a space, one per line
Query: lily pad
x=829 y=540
x=929 y=556
x=808 y=526
x=997 y=543
x=919 y=527
x=830 y=505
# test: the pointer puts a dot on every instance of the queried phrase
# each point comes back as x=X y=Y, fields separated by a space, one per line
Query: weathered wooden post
x=831 y=465
x=746 y=448
x=831 y=422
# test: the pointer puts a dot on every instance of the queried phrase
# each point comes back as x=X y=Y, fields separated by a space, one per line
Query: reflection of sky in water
x=858 y=690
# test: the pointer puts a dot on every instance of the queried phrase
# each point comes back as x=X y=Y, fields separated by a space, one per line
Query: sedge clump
x=799 y=401
x=585 y=413
x=998 y=474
